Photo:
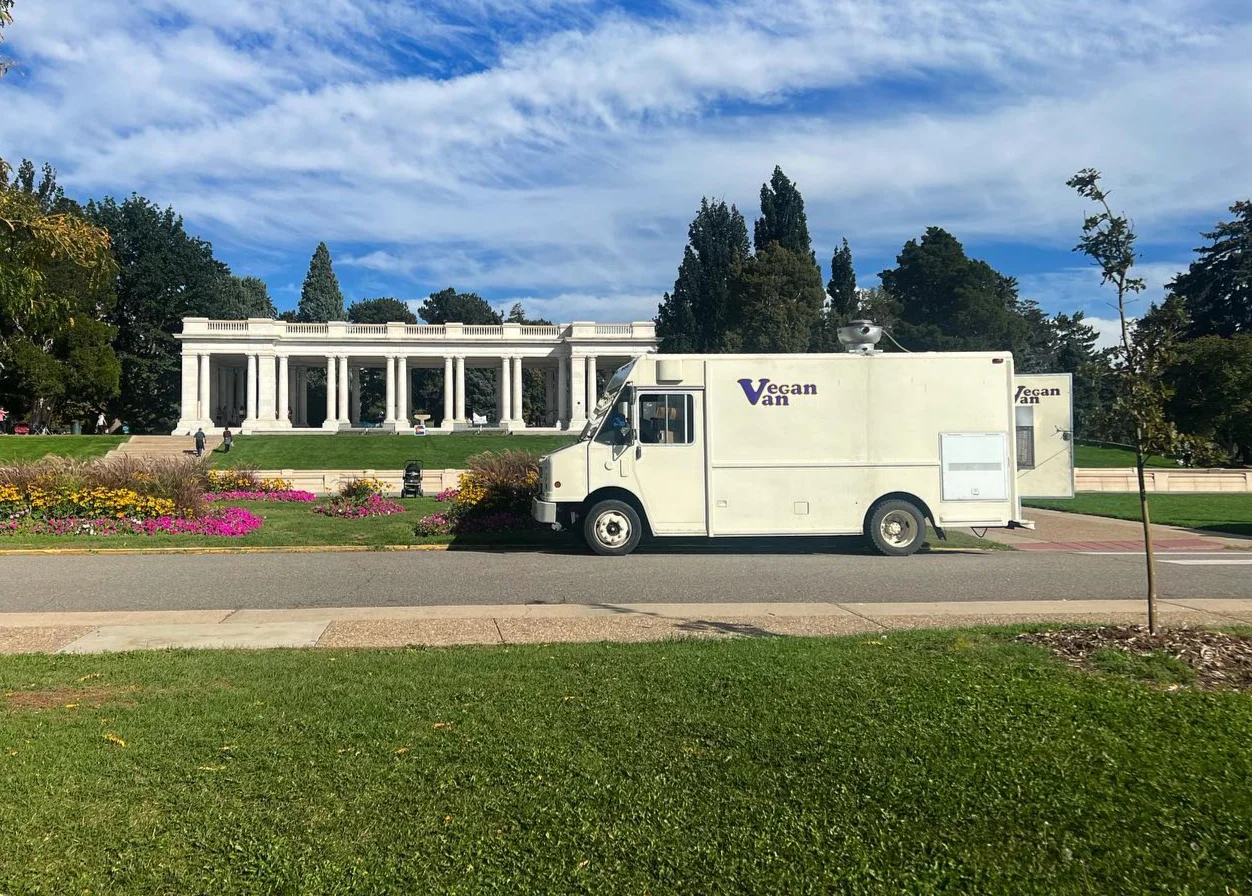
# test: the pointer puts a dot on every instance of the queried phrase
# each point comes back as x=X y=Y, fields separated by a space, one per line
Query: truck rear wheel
x=896 y=528
x=613 y=528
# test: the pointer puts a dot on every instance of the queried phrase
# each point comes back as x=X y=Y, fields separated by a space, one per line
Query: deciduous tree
x=381 y=311
x=1145 y=353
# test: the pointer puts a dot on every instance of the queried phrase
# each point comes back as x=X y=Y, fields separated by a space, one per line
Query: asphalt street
x=772 y=572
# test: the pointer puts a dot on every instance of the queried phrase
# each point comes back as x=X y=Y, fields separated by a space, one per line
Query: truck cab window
x=667 y=419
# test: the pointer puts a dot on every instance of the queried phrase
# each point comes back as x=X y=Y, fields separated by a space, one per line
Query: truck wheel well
x=900 y=496
x=610 y=493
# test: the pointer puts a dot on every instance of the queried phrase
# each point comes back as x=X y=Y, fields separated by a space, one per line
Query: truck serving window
x=1025 y=438
x=666 y=419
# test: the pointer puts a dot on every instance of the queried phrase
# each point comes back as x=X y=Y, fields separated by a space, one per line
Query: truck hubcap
x=612 y=529
x=898 y=528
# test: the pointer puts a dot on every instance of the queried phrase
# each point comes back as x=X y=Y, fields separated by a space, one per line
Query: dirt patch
x=1207 y=659
x=60 y=698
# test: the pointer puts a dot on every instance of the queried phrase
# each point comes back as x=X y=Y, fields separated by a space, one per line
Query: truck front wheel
x=896 y=528
x=612 y=528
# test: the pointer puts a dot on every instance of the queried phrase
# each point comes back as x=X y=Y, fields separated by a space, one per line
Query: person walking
x=100 y=424
x=199 y=437
x=227 y=438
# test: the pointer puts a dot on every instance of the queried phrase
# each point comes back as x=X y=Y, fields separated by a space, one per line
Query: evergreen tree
x=320 y=298
x=1217 y=287
x=699 y=315
x=259 y=302
x=782 y=218
x=381 y=311
x=780 y=300
x=842 y=285
x=950 y=302
x=238 y=298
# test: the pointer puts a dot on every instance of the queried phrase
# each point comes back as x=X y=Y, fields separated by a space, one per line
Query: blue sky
x=553 y=151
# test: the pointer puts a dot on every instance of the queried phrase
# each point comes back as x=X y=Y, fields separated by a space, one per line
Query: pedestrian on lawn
x=227 y=438
x=100 y=424
x=200 y=442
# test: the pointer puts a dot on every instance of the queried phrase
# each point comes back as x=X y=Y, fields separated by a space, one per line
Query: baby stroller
x=412 y=487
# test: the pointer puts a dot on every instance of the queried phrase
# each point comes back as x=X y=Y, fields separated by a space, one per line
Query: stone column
x=506 y=390
x=204 y=412
x=448 y=413
x=240 y=394
x=284 y=396
x=592 y=393
x=267 y=390
x=562 y=392
x=343 y=390
x=459 y=392
x=187 y=411
x=390 y=418
x=252 y=389
x=549 y=396
x=332 y=417
x=403 y=418
x=518 y=416
x=577 y=392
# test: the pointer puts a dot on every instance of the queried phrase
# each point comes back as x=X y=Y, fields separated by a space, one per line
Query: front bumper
x=543 y=511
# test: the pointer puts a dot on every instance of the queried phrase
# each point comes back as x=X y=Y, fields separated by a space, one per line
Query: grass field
x=374 y=452
x=921 y=762
x=296 y=525
x=1099 y=457
x=34 y=447
x=1223 y=513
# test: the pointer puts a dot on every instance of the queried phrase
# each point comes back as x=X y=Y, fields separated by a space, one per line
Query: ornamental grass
x=118 y=488
x=494 y=496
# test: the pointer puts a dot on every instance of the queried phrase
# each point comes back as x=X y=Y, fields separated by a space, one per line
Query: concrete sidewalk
x=363 y=627
x=1062 y=531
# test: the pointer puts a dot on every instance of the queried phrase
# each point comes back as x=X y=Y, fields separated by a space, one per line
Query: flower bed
x=245 y=480
x=293 y=495
x=353 y=509
x=229 y=522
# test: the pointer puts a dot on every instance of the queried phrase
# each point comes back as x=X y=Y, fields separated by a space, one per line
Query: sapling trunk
x=1147 y=532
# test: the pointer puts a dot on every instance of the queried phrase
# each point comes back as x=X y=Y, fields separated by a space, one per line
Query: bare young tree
x=1109 y=240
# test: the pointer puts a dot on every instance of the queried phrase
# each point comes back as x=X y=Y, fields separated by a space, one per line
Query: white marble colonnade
x=256 y=374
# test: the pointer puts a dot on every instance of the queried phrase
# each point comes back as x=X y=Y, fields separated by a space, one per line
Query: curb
x=243 y=549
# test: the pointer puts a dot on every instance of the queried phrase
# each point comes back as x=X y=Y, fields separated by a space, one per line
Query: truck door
x=1043 y=412
x=668 y=463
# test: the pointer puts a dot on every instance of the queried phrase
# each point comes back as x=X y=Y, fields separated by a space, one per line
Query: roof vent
x=860 y=337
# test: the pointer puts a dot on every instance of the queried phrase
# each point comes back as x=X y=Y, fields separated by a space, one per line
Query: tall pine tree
x=320 y=298
x=842 y=285
x=1217 y=288
x=782 y=218
x=700 y=315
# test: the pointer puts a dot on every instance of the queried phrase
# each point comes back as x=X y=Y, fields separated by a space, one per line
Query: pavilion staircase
x=161 y=447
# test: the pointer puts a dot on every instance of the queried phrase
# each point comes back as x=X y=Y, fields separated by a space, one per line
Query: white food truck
x=865 y=443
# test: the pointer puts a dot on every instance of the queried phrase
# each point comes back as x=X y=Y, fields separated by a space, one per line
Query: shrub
x=494 y=496
x=361 y=489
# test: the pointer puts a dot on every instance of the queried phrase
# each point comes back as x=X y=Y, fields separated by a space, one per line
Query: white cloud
x=549 y=146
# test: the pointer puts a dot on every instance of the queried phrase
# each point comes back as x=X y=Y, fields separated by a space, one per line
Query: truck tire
x=896 y=528
x=612 y=528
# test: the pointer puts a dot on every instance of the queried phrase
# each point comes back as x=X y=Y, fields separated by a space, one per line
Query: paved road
x=277 y=581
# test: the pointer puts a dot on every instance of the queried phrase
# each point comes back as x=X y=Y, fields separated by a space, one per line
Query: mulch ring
x=1219 y=660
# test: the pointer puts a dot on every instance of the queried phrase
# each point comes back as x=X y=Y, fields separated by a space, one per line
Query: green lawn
x=920 y=762
x=360 y=452
x=1223 y=513
x=34 y=447
x=1098 y=457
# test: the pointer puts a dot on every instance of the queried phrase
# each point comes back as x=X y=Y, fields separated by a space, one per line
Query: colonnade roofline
x=201 y=328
